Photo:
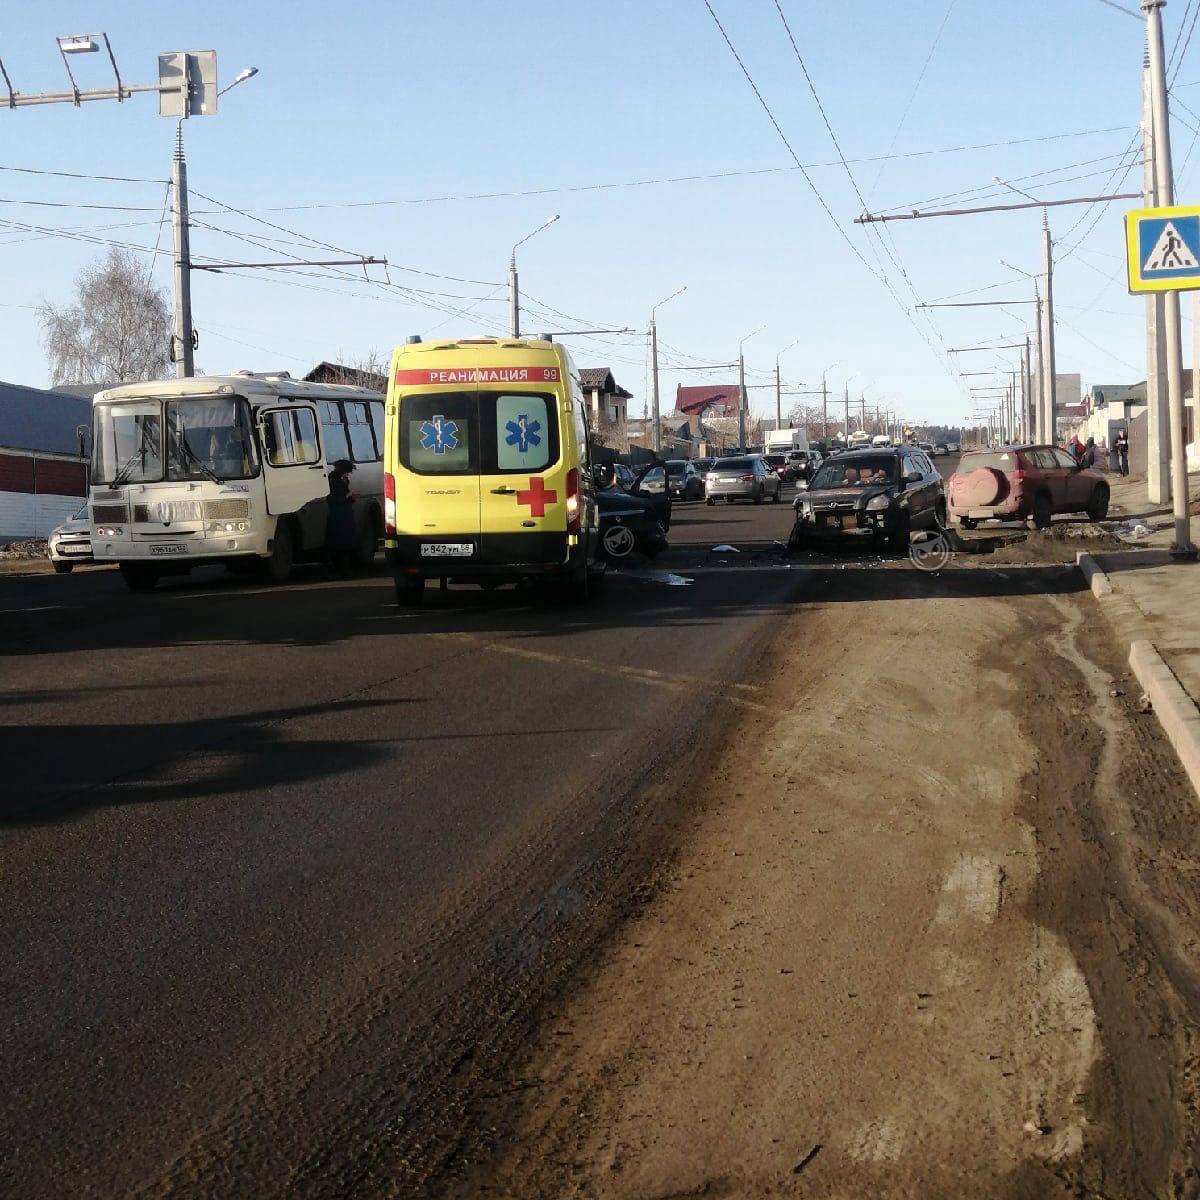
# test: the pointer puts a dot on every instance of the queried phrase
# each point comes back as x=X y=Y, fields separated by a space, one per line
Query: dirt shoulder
x=926 y=935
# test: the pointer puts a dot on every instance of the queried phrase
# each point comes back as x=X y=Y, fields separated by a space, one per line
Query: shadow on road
x=148 y=763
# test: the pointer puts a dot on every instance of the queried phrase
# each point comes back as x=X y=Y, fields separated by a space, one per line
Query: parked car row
x=888 y=494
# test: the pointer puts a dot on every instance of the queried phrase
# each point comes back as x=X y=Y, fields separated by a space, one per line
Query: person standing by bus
x=339 y=525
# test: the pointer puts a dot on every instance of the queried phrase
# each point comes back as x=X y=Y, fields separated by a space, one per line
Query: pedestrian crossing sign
x=1163 y=249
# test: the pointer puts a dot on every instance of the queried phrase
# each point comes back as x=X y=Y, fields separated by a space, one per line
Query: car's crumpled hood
x=616 y=502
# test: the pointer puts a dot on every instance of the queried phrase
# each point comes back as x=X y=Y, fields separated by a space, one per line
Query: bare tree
x=118 y=330
x=810 y=418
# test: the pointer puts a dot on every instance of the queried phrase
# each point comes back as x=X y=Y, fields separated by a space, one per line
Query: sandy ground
x=930 y=932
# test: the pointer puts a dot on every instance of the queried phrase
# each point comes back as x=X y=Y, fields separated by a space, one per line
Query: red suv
x=1023 y=482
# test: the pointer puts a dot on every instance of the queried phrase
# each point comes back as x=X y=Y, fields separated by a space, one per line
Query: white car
x=71 y=542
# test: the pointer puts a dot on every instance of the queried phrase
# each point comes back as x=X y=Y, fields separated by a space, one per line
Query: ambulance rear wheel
x=410 y=591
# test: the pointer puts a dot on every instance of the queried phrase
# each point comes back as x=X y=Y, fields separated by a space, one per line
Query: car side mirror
x=913 y=477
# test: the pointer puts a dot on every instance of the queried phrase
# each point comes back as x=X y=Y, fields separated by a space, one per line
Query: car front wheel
x=1043 y=511
x=1097 y=508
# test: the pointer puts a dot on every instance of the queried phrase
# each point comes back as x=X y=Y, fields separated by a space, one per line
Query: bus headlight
x=109 y=531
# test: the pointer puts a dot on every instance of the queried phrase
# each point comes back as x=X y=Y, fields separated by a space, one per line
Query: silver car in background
x=747 y=477
x=71 y=542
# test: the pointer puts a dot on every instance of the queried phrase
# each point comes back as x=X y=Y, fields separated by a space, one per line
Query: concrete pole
x=514 y=302
x=846 y=401
x=1044 y=435
x=654 y=383
x=778 y=398
x=1049 y=384
x=1030 y=415
x=824 y=410
x=1158 y=417
x=181 y=342
x=741 y=402
x=1182 y=547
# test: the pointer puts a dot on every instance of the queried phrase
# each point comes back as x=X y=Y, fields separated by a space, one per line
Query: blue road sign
x=1163 y=249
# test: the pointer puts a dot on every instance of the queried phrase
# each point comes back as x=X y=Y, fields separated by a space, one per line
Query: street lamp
x=778 y=391
x=514 y=302
x=742 y=389
x=654 y=363
x=240 y=77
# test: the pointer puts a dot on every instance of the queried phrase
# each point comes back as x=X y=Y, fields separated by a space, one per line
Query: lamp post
x=741 y=362
x=514 y=301
x=825 y=400
x=184 y=340
x=654 y=362
x=778 y=385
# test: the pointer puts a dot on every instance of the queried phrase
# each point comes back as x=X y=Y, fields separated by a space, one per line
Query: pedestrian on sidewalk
x=339 y=524
x=1121 y=445
x=1075 y=447
x=1088 y=458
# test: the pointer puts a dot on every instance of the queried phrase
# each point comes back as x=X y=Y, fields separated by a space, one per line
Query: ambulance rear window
x=438 y=434
x=525 y=431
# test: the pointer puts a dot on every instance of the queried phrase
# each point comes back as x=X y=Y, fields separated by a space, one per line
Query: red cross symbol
x=537 y=497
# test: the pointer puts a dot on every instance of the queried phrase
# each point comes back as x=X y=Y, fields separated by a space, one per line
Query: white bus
x=229 y=469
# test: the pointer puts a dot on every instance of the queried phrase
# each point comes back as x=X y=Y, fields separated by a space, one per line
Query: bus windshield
x=205 y=438
x=127 y=442
x=209 y=439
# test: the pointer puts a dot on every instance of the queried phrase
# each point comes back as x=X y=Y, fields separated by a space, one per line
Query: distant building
x=327 y=372
x=607 y=399
x=45 y=437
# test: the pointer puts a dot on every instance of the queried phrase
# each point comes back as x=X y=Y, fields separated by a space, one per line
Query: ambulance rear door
x=437 y=494
x=522 y=485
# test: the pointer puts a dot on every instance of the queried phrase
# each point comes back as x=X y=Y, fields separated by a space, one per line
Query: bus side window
x=334 y=431
x=290 y=437
x=362 y=436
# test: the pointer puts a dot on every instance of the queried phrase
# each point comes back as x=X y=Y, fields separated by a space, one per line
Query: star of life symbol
x=1170 y=253
x=523 y=433
x=439 y=435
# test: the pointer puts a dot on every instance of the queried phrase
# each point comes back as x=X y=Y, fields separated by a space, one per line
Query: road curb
x=1176 y=710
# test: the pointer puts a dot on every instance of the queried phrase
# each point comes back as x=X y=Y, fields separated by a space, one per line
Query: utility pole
x=741 y=401
x=183 y=340
x=1158 y=417
x=657 y=442
x=1182 y=547
x=846 y=399
x=654 y=364
x=825 y=408
x=1049 y=384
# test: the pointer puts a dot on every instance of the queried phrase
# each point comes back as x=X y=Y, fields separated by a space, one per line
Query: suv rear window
x=995 y=460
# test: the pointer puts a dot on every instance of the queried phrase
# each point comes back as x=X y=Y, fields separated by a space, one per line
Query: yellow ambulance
x=487 y=467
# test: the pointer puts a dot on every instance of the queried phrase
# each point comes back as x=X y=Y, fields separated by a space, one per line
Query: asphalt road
x=281 y=866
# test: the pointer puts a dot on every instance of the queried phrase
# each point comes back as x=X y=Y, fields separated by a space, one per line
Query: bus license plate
x=447 y=549
x=168 y=548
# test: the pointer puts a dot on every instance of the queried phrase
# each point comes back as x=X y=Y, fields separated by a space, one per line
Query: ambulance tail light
x=389 y=503
x=573 y=505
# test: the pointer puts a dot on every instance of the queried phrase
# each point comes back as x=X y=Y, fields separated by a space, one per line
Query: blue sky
x=437 y=135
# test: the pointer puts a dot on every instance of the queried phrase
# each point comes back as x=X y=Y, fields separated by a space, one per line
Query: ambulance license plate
x=447 y=549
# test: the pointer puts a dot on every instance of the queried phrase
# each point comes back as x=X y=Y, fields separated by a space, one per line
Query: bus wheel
x=410 y=591
x=277 y=567
x=139 y=578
